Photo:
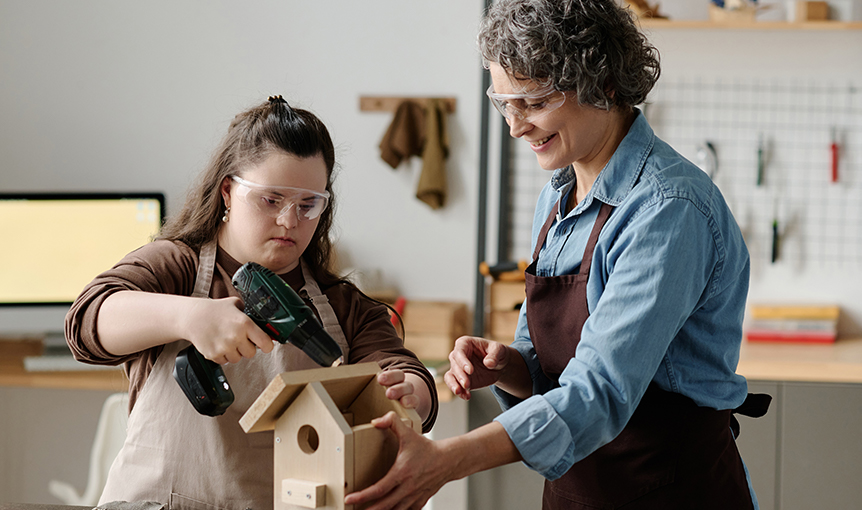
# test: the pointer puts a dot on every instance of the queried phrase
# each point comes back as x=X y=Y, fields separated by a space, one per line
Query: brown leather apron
x=672 y=454
x=176 y=456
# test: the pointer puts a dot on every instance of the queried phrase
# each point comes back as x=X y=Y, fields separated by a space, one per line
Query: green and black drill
x=276 y=309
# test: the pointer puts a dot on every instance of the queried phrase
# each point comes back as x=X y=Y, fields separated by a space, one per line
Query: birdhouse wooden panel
x=325 y=446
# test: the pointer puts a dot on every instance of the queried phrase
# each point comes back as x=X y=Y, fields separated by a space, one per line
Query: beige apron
x=176 y=456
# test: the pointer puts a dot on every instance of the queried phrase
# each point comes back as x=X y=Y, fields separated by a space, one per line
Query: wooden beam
x=390 y=103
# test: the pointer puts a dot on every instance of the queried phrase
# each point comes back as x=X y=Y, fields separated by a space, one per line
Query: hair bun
x=277 y=99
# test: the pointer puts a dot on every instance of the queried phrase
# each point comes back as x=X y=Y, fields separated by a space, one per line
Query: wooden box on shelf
x=812 y=11
x=431 y=327
x=722 y=15
x=505 y=299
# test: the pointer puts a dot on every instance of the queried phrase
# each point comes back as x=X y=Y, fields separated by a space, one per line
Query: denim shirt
x=666 y=295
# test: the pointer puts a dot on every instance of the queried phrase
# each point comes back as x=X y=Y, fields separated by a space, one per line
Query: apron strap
x=321 y=303
x=206 y=266
x=586 y=262
x=543 y=234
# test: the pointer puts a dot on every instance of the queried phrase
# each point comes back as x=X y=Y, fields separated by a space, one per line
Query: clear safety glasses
x=275 y=201
x=527 y=107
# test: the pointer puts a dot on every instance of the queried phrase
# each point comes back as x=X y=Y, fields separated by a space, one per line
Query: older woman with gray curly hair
x=620 y=385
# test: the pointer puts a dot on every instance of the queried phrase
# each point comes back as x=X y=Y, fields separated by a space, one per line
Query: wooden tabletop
x=840 y=362
x=13 y=373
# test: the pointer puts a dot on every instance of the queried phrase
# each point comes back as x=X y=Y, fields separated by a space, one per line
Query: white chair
x=110 y=435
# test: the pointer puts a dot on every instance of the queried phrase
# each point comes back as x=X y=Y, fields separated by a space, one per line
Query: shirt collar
x=620 y=174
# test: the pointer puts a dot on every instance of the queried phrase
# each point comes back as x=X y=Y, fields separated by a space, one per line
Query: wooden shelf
x=749 y=25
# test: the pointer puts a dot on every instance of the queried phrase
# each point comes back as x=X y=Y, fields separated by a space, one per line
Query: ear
x=225 y=191
x=610 y=90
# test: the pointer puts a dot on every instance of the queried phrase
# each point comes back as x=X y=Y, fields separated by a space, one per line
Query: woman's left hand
x=399 y=387
x=423 y=466
x=418 y=473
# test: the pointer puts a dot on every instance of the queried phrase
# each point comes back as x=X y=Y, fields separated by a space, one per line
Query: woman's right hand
x=222 y=332
x=476 y=363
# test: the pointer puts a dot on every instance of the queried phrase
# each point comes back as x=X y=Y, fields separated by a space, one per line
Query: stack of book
x=793 y=323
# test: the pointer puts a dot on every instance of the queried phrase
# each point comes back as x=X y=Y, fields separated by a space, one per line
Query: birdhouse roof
x=343 y=383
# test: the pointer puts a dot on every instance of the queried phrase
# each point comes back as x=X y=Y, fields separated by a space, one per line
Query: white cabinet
x=805 y=453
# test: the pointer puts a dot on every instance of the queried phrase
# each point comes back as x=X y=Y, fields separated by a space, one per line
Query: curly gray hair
x=591 y=47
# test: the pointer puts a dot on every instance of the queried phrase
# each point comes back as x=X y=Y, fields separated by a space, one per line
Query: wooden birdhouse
x=325 y=444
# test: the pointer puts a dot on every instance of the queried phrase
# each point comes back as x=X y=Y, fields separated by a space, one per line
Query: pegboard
x=792 y=123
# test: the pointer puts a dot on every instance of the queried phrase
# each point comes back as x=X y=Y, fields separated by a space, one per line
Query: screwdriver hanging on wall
x=761 y=158
x=834 y=153
x=774 y=240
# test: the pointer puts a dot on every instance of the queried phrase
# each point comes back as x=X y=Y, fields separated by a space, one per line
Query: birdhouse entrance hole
x=308 y=439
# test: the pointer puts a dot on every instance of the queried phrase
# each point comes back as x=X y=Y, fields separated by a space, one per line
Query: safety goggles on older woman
x=527 y=107
x=275 y=201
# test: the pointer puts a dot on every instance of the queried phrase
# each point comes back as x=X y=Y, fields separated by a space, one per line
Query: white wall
x=104 y=95
x=107 y=95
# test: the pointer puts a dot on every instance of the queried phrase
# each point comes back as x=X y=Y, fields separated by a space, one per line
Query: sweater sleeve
x=161 y=266
x=372 y=337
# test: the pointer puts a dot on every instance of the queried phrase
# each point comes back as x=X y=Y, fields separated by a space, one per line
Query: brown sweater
x=171 y=267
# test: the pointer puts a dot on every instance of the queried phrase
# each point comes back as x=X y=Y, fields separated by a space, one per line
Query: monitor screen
x=55 y=244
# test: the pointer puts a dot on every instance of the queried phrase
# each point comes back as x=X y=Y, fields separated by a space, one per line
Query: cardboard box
x=507 y=296
x=439 y=317
x=811 y=11
x=502 y=325
x=431 y=327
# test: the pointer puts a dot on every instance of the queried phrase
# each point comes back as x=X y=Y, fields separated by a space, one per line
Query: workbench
x=840 y=362
x=805 y=453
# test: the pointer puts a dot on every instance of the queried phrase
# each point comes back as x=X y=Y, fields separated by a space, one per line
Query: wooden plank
x=277 y=396
x=391 y=103
x=372 y=403
x=375 y=452
x=312 y=443
x=302 y=493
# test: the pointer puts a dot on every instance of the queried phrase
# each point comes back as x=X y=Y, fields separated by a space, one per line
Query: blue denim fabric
x=666 y=294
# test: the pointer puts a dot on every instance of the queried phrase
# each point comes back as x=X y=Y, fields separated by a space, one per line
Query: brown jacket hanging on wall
x=405 y=135
x=432 y=181
x=415 y=131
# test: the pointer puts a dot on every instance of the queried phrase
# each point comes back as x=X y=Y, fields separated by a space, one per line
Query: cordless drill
x=276 y=309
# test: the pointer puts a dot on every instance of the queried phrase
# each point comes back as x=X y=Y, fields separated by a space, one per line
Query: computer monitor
x=54 y=244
